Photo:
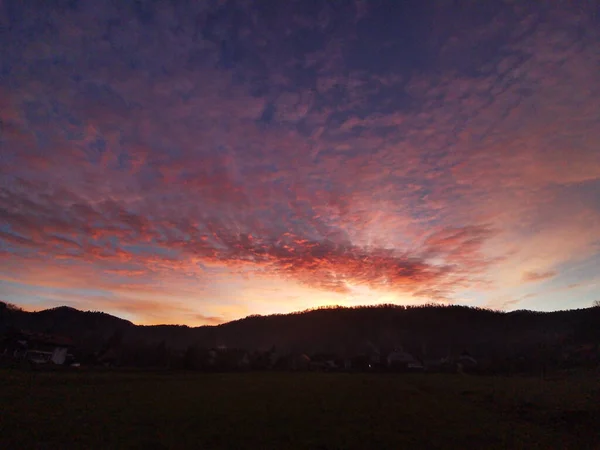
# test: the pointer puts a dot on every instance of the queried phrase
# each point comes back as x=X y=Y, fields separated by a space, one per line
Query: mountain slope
x=86 y=328
x=432 y=329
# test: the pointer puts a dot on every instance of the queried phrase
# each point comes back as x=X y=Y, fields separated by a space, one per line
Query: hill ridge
x=441 y=329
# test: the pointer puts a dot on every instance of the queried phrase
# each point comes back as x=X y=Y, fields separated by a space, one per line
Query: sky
x=197 y=162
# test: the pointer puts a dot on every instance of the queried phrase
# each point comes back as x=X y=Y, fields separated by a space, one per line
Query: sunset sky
x=196 y=162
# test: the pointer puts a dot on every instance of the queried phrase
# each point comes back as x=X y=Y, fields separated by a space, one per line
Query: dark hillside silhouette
x=428 y=332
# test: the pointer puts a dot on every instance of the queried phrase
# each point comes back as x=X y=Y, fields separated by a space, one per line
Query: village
x=47 y=351
x=39 y=350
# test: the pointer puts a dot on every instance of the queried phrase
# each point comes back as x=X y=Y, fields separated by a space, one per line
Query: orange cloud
x=538 y=276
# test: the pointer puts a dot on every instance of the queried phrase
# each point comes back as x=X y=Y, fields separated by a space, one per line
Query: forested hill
x=436 y=330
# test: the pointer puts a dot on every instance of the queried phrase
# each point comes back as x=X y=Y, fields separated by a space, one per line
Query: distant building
x=367 y=357
x=401 y=360
x=300 y=362
x=466 y=362
x=37 y=347
x=323 y=362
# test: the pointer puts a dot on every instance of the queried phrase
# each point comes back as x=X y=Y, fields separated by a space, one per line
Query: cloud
x=208 y=320
x=171 y=244
x=204 y=138
x=538 y=276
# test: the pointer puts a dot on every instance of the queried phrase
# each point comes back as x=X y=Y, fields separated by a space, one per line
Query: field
x=296 y=411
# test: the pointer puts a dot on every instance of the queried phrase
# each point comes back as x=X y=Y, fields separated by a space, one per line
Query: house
x=448 y=365
x=416 y=366
x=323 y=362
x=48 y=349
x=367 y=356
x=37 y=347
x=300 y=362
x=399 y=359
x=466 y=363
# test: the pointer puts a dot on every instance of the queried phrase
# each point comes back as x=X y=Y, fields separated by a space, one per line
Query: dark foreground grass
x=293 y=411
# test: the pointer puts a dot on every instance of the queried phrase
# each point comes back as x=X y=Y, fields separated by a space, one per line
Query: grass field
x=290 y=411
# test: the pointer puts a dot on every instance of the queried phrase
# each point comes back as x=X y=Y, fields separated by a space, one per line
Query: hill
x=87 y=328
x=432 y=330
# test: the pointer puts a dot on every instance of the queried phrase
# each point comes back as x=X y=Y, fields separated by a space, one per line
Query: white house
x=400 y=359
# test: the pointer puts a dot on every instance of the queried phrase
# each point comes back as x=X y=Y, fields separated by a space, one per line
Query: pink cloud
x=538 y=276
x=477 y=175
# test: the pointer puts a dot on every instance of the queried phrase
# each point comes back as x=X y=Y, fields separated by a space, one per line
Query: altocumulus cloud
x=410 y=148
